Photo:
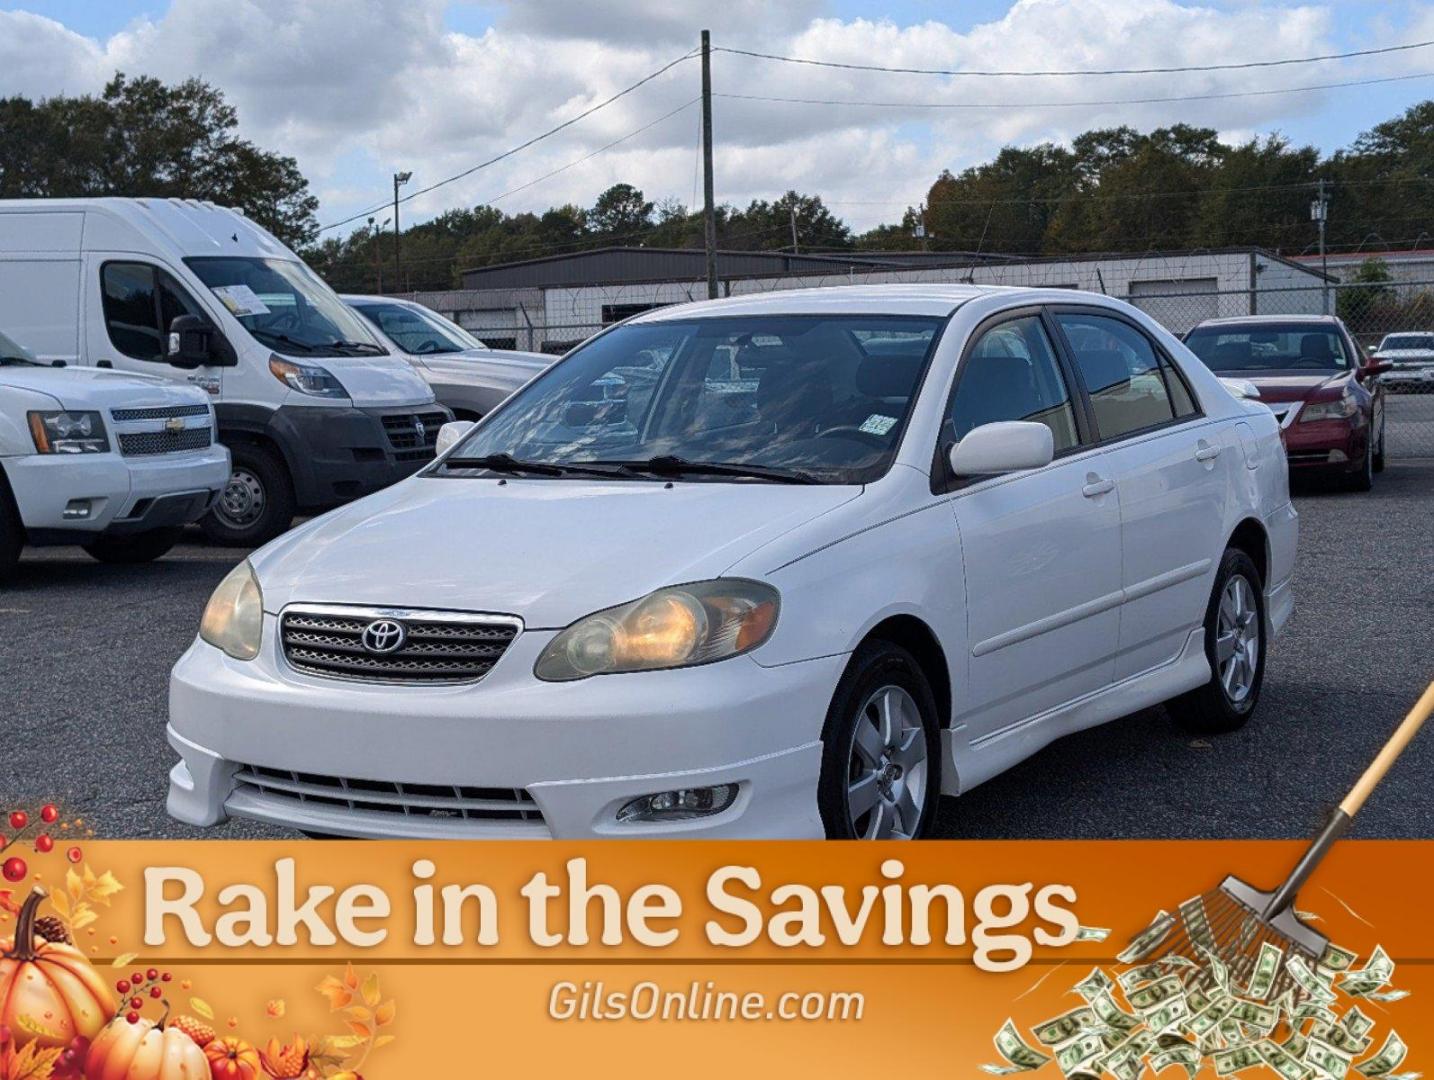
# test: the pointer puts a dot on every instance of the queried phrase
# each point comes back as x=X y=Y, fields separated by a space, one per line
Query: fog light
x=681 y=805
x=77 y=509
x=1338 y=457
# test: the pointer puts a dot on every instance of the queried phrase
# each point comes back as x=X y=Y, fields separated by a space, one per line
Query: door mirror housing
x=1376 y=365
x=1002 y=447
x=449 y=435
x=195 y=342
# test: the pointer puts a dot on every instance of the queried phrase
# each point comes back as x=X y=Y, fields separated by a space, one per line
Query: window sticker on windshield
x=240 y=300
x=876 y=424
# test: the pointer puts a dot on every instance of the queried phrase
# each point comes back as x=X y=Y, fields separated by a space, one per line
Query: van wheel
x=1235 y=647
x=136 y=548
x=881 y=749
x=256 y=505
x=12 y=534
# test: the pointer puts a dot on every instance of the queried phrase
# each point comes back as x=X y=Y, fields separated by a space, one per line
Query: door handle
x=1205 y=451
x=1096 y=485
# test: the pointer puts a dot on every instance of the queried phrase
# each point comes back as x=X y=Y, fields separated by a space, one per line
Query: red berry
x=165 y=977
x=155 y=991
x=43 y=844
x=122 y=986
x=49 y=813
x=132 y=1017
x=152 y=974
x=137 y=978
x=15 y=869
x=74 y=854
x=136 y=1003
x=19 y=819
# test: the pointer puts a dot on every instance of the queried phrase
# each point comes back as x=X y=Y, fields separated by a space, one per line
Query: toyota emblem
x=384 y=636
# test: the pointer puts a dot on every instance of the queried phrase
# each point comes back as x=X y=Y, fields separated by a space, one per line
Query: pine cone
x=52 y=929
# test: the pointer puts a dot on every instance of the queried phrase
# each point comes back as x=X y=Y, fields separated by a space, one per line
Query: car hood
x=483 y=367
x=100 y=388
x=548 y=551
x=1288 y=385
x=1406 y=356
x=376 y=381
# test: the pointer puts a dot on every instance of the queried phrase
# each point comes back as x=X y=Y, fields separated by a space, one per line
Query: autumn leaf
x=341 y=1042
x=337 y=993
x=202 y=1007
x=351 y=979
x=276 y=1008
x=74 y=885
x=61 y=903
x=103 y=888
x=383 y=1040
x=359 y=1013
x=363 y=1031
x=123 y=960
x=84 y=915
x=371 y=994
x=7 y=902
x=384 y=1014
x=32 y=1062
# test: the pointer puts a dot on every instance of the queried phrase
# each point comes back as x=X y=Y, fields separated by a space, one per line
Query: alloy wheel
x=1237 y=639
x=242 y=501
x=887 y=769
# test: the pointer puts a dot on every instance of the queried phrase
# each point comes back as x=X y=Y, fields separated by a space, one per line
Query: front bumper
x=1327 y=444
x=123 y=494
x=575 y=752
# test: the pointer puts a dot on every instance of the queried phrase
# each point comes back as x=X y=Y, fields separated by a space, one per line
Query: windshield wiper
x=363 y=346
x=509 y=464
x=671 y=465
x=286 y=339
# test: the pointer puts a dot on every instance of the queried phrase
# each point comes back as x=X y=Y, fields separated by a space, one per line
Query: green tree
x=1358 y=303
x=619 y=213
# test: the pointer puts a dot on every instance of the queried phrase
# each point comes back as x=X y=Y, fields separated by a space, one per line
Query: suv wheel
x=137 y=548
x=1235 y=647
x=256 y=505
x=881 y=750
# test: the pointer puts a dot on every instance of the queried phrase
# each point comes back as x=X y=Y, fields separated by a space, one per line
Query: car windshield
x=14 y=354
x=284 y=305
x=801 y=398
x=1408 y=341
x=1277 y=347
x=417 y=330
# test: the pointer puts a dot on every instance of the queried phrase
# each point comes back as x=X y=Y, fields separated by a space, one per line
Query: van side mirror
x=1002 y=447
x=449 y=434
x=196 y=342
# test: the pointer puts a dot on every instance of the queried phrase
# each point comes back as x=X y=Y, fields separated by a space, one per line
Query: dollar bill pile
x=1191 y=1012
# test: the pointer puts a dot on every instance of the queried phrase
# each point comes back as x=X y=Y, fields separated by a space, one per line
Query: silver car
x=1412 y=357
x=465 y=374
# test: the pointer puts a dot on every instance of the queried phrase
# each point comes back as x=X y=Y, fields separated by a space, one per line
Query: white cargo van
x=313 y=409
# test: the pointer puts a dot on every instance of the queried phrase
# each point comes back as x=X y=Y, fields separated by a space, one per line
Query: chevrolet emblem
x=174 y=425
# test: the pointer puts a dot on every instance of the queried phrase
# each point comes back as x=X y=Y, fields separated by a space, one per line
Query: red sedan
x=1316 y=380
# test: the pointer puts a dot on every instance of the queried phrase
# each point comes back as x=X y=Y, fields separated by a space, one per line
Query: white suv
x=116 y=463
x=779 y=566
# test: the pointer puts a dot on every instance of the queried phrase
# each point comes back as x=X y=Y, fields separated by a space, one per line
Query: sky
x=356 y=90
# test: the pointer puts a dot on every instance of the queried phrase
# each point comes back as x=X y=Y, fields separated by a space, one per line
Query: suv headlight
x=1342 y=408
x=307 y=378
x=234 y=617
x=681 y=626
x=68 y=432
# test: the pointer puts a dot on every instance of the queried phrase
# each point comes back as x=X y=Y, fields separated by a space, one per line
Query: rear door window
x=1122 y=374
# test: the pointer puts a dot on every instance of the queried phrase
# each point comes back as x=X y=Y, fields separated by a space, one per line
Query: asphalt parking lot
x=85 y=653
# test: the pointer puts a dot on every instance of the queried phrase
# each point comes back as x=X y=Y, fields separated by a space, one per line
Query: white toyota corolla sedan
x=791 y=565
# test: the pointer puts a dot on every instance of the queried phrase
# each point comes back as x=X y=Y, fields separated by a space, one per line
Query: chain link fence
x=1372 y=311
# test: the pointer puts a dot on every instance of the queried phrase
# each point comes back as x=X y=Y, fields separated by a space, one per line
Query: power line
x=521 y=146
x=1072 y=104
x=1101 y=71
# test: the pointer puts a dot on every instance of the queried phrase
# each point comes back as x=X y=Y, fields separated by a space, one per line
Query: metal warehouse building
x=550 y=304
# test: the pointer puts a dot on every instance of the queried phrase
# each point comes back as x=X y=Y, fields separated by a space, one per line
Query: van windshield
x=792 y=398
x=285 y=307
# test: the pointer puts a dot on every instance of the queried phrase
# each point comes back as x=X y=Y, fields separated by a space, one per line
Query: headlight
x=234 y=618
x=68 y=432
x=677 y=627
x=307 y=378
x=1341 y=408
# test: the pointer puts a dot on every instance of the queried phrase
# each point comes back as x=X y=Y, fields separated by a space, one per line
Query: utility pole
x=709 y=211
x=398 y=178
x=1319 y=211
x=793 y=209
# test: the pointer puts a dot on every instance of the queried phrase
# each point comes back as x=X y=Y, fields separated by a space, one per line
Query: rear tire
x=1235 y=647
x=136 y=548
x=257 y=504
x=881 y=749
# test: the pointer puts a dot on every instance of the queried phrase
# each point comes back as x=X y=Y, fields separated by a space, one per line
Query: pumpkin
x=144 y=1050
x=231 y=1058
x=49 y=994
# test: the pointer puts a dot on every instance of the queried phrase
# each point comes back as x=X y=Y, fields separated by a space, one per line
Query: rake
x=1234 y=921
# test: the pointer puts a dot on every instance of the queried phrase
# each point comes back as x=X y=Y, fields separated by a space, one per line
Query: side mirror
x=449 y=434
x=1377 y=366
x=1002 y=447
x=1241 y=388
x=196 y=342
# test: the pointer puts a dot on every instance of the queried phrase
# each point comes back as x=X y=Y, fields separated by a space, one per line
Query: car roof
x=1266 y=320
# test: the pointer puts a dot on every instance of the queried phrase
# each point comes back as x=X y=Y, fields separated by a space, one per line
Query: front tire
x=133 y=549
x=881 y=749
x=1363 y=478
x=1379 y=453
x=256 y=505
x=1235 y=647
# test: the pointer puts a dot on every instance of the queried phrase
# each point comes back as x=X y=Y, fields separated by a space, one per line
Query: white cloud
x=357 y=88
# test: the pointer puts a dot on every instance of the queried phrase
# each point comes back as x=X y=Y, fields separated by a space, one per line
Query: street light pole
x=1319 y=210
x=398 y=178
x=709 y=212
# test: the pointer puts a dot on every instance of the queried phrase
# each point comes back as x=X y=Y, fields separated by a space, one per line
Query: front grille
x=437 y=647
x=403 y=430
x=135 y=443
x=159 y=412
x=442 y=801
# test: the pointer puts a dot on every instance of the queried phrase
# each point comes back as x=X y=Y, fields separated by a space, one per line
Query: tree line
x=1111 y=189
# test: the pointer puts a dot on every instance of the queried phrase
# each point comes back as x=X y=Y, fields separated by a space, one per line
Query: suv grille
x=384 y=797
x=404 y=431
x=434 y=647
x=161 y=412
x=164 y=442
